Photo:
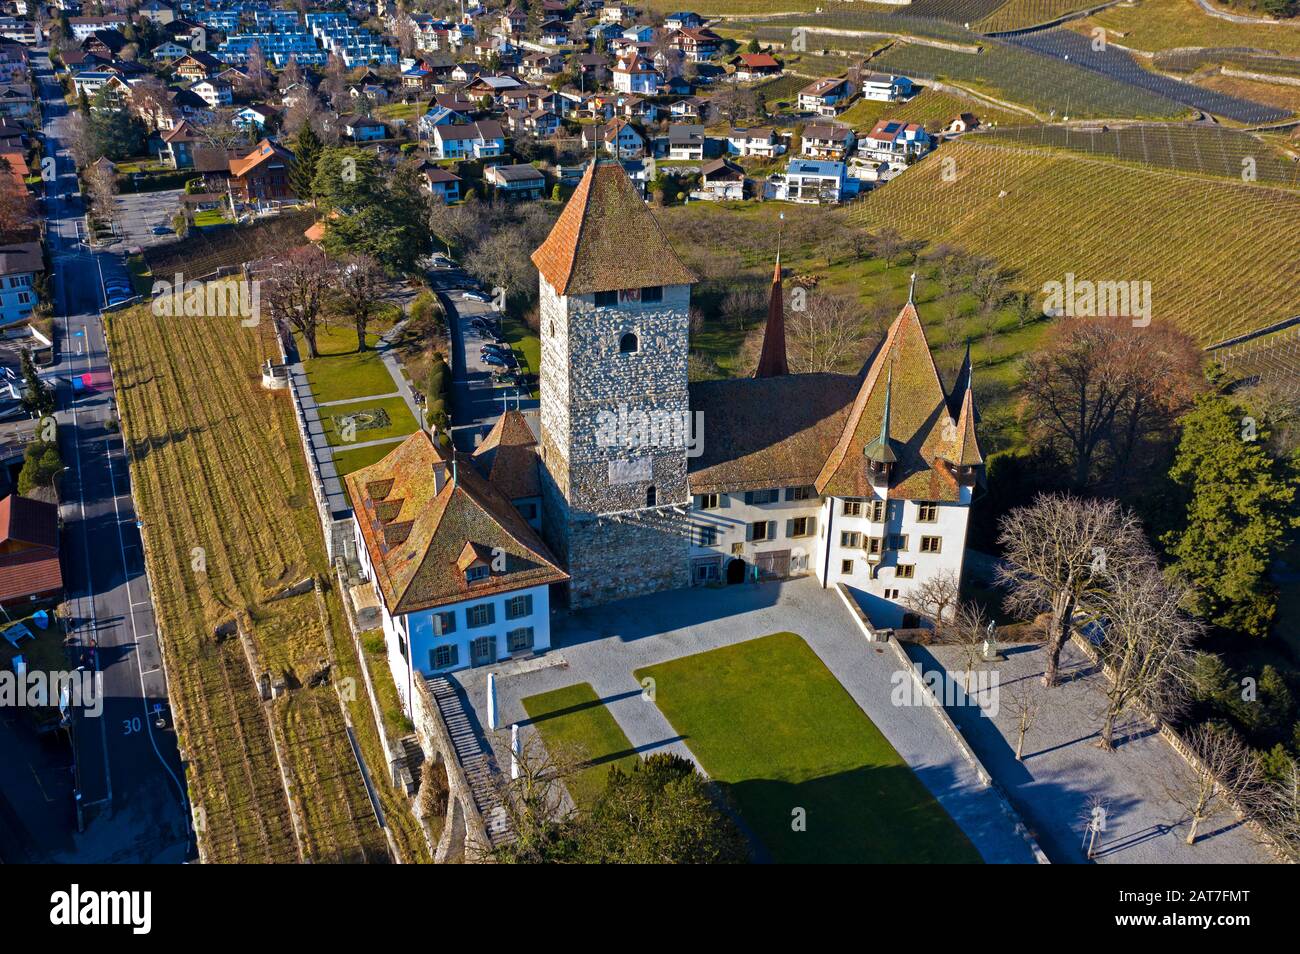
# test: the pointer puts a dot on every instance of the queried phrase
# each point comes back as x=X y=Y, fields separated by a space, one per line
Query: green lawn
x=769 y=722
x=211 y=217
x=525 y=344
x=400 y=421
x=573 y=718
x=347 y=461
x=341 y=371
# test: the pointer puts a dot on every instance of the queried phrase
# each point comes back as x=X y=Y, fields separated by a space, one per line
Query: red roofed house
x=29 y=551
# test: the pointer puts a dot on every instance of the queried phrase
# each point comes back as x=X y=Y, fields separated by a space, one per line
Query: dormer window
x=628 y=343
x=477 y=574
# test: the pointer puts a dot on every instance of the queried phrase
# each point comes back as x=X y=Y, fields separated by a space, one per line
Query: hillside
x=1213 y=251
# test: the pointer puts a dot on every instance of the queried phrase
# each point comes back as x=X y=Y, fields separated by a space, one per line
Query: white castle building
x=646 y=482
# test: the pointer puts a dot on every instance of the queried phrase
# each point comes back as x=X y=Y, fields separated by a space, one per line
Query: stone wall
x=614 y=425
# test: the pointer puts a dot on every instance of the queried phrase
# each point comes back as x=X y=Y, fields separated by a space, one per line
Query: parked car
x=494 y=359
x=161 y=230
x=475 y=295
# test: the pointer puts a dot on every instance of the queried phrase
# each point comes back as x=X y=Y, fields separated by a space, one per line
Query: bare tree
x=1225 y=772
x=1146 y=643
x=150 y=100
x=826 y=335
x=221 y=131
x=968 y=630
x=300 y=283
x=533 y=803
x=1022 y=700
x=1279 y=809
x=935 y=597
x=1056 y=553
x=357 y=296
x=259 y=77
x=101 y=188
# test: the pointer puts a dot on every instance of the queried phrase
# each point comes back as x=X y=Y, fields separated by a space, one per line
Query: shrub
x=42 y=467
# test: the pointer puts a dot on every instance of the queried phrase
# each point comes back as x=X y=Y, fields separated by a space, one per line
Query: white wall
x=733 y=516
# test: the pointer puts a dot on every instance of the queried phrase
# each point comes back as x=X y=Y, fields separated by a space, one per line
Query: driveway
x=603 y=646
x=476 y=400
x=1064 y=770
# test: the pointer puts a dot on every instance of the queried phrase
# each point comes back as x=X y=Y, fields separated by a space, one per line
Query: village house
x=697 y=44
x=894 y=141
x=686 y=141
x=20 y=264
x=520 y=181
x=441 y=182
x=886 y=87
x=263 y=174
x=754 y=66
x=476 y=140
x=826 y=141
x=618 y=138
x=825 y=97
x=814 y=182
x=720 y=179
x=634 y=74
x=761 y=141
x=30 y=567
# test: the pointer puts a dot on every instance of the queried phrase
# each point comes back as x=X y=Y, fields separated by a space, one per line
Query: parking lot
x=139 y=213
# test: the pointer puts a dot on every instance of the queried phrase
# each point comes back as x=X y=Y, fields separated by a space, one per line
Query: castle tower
x=615 y=410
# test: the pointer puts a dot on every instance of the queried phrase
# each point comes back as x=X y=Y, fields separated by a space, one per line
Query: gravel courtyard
x=1064 y=769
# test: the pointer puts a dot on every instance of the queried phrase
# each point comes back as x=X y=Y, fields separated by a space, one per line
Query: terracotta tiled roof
x=606 y=239
x=264 y=151
x=922 y=433
x=416 y=532
x=32 y=523
x=968 y=446
x=767 y=432
x=29 y=538
x=508 y=457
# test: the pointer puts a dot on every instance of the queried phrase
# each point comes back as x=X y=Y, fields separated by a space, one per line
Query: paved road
x=475 y=399
x=130 y=773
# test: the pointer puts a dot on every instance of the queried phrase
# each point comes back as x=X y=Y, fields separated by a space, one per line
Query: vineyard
x=1154 y=25
x=1212 y=250
x=1208 y=150
x=1189 y=61
x=1018 y=14
x=1273 y=361
x=1118 y=64
x=1046 y=85
x=221 y=489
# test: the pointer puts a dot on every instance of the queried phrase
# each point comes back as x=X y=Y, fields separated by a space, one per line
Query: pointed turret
x=878 y=451
x=966 y=452
x=772 y=361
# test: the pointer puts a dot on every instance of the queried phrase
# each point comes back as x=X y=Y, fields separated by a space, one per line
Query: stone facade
x=615 y=414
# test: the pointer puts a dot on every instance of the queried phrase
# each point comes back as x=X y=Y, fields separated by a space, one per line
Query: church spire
x=772 y=361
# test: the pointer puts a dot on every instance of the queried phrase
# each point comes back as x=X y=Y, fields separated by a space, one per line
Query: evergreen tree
x=306 y=155
x=38 y=397
x=1238 y=502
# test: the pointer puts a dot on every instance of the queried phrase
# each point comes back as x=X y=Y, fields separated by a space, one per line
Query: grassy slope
x=346 y=461
x=574 y=719
x=768 y=721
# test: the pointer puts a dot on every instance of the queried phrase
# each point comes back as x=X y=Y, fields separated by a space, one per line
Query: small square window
x=846 y=567
x=853 y=508
x=652 y=294
x=931 y=544
x=606 y=299
x=927 y=512
x=707 y=501
x=706 y=536
x=905 y=571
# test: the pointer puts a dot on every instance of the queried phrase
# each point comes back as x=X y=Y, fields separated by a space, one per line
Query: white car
x=475 y=296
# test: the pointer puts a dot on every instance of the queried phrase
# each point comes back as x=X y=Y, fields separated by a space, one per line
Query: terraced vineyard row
x=1189 y=61
x=1212 y=250
x=1018 y=14
x=1021 y=76
x=1118 y=64
x=1273 y=361
x=1209 y=150
x=221 y=490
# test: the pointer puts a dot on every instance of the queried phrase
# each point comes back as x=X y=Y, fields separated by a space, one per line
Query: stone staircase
x=411 y=757
x=474 y=757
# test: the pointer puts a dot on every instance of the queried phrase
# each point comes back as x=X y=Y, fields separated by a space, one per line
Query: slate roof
x=416 y=534
x=606 y=239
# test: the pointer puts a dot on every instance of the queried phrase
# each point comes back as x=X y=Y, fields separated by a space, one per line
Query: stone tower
x=614 y=308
